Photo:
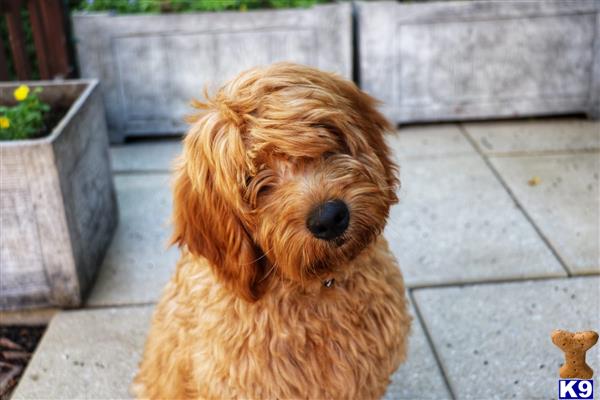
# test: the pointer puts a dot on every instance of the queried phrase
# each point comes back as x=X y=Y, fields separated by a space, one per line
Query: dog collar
x=329 y=283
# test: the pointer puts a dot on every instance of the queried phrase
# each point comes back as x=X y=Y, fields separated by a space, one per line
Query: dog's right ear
x=207 y=205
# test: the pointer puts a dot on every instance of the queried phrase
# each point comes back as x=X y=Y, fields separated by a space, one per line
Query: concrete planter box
x=481 y=59
x=57 y=202
x=150 y=66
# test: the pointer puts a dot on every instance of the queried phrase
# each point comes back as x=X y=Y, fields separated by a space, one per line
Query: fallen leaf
x=534 y=181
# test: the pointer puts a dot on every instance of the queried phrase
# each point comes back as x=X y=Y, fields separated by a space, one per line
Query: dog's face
x=284 y=172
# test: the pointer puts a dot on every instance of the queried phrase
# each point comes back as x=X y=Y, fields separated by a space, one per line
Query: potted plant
x=475 y=59
x=151 y=63
x=57 y=199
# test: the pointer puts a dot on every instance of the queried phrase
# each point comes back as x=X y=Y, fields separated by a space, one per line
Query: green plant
x=165 y=6
x=122 y=6
x=25 y=119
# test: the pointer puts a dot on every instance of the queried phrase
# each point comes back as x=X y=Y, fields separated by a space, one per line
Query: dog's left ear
x=208 y=211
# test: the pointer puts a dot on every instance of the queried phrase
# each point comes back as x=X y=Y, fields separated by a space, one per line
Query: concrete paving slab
x=497 y=137
x=493 y=340
x=88 y=354
x=428 y=140
x=420 y=377
x=145 y=156
x=565 y=204
x=93 y=354
x=138 y=263
x=456 y=223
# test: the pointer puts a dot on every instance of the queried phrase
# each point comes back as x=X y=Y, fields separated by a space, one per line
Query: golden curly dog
x=285 y=288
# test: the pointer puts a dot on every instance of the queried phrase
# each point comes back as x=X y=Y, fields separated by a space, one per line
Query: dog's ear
x=208 y=210
x=377 y=126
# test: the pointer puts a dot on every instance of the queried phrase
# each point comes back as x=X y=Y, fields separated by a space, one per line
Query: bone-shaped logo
x=574 y=345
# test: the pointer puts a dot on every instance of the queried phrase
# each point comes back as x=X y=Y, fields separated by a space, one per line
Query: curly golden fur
x=247 y=314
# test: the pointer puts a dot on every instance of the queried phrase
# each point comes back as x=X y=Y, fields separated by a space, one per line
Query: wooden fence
x=47 y=21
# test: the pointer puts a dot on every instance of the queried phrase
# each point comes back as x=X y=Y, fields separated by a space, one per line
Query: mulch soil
x=17 y=344
x=51 y=119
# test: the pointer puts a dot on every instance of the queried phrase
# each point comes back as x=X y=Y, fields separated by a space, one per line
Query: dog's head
x=284 y=171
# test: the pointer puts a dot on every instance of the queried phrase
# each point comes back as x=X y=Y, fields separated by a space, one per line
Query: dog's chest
x=343 y=341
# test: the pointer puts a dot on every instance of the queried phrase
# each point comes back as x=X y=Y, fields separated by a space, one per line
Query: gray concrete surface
x=456 y=223
x=420 y=377
x=565 y=204
x=90 y=354
x=536 y=135
x=145 y=156
x=138 y=262
x=433 y=140
x=94 y=355
x=494 y=340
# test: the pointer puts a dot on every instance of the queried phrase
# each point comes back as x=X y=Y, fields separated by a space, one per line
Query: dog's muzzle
x=329 y=220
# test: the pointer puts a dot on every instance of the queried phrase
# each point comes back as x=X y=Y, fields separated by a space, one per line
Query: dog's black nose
x=328 y=220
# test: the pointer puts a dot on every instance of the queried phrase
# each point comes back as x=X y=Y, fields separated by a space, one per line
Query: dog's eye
x=261 y=183
x=263 y=189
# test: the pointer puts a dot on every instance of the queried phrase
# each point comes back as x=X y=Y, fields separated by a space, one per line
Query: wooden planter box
x=150 y=66
x=58 y=208
x=481 y=59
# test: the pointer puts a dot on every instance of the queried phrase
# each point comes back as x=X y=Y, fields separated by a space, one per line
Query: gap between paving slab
x=536 y=135
x=94 y=354
x=494 y=339
x=436 y=140
x=420 y=377
x=501 y=180
x=456 y=223
x=139 y=262
x=145 y=156
x=564 y=205
x=39 y=316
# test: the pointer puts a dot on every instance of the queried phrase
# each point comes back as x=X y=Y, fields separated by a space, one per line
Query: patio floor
x=492 y=262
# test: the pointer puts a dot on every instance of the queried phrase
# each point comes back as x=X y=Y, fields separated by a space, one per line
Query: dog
x=285 y=288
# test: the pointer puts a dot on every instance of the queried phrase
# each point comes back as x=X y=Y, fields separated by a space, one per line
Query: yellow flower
x=21 y=92
x=4 y=123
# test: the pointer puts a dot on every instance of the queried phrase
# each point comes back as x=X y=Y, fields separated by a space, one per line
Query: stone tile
x=494 y=339
x=497 y=137
x=94 y=354
x=428 y=140
x=420 y=376
x=138 y=263
x=88 y=354
x=456 y=223
x=564 y=205
x=142 y=156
